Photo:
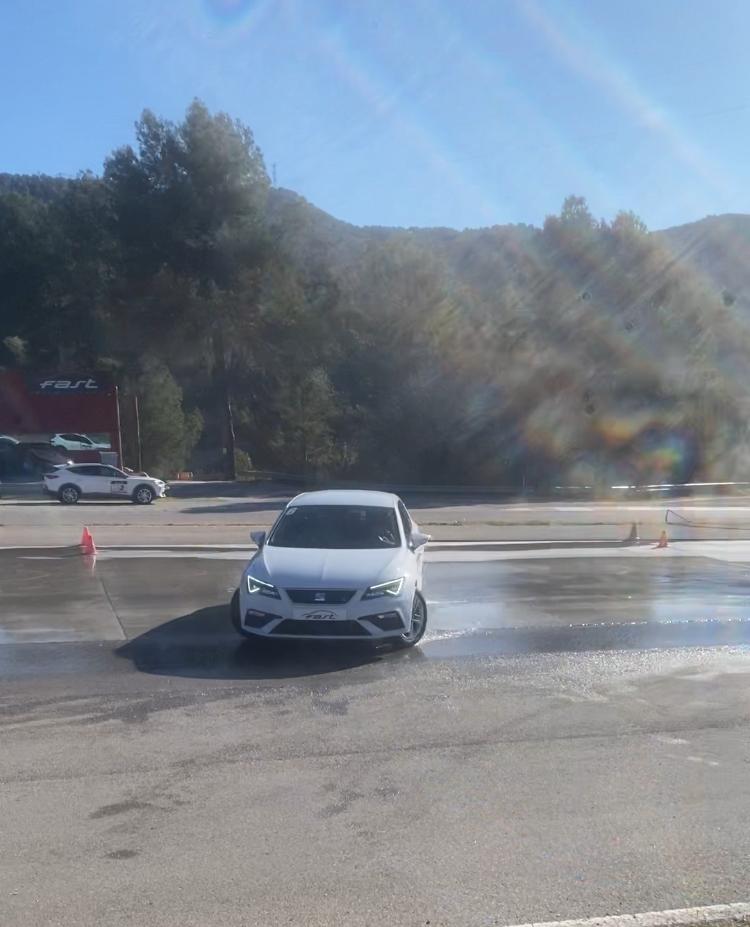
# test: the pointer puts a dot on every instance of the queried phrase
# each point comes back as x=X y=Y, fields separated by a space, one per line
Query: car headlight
x=258 y=586
x=392 y=587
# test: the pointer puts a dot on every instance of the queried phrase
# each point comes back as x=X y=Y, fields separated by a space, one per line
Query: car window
x=113 y=472
x=68 y=437
x=88 y=470
x=405 y=519
x=337 y=527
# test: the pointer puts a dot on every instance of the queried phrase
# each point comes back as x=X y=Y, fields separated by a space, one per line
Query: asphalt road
x=31 y=520
x=480 y=600
x=400 y=789
x=572 y=739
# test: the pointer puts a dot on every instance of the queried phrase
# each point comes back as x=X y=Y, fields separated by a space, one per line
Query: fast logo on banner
x=63 y=386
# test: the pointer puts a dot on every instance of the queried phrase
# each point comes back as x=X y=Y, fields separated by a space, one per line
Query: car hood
x=303 y=568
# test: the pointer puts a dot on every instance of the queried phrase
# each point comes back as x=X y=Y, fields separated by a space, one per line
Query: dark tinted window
x=342 y=527
x=88 y=470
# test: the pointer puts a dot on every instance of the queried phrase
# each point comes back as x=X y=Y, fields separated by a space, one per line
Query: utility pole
x=138 y=443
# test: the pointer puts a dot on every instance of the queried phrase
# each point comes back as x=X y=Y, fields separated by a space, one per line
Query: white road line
x=715 y=915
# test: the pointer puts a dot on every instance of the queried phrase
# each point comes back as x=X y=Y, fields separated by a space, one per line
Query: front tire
x=143 y=495
x=69 y=495
x=418 y=624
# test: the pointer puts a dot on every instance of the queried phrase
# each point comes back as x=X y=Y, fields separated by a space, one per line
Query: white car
x=336 y=565
x=75 y=442
x=70 y=483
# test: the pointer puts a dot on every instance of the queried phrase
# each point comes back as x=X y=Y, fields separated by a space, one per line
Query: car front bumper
x=370 y=619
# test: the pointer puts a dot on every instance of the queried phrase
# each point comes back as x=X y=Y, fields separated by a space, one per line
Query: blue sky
x=424 y=112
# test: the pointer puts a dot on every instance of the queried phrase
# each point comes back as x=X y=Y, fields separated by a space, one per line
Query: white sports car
x=336 y=565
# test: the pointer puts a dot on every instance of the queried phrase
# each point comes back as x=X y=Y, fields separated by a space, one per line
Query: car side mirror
x=418 y=539
x=259 y=537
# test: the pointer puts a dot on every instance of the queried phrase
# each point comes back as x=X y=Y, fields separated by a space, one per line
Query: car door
x=86 y=478
x=118 y=481
x=96 y=480
x=409 y=527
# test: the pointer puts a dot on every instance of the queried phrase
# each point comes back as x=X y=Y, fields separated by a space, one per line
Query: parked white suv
x=69 y=484
x=76 y=442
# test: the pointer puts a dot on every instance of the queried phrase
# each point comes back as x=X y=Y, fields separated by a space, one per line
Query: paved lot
x=352 y=791
x=31 y=521
x=572 y=738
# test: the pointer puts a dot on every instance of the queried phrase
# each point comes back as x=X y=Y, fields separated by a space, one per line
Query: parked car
x=336 y=565
x=71 y=483
x=75 y=442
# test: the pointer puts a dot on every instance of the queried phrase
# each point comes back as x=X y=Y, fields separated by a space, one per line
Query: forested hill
x=251 y=324
x=717 y=247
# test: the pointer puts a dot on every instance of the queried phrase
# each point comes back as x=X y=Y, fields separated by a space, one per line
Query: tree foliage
x=249 y=323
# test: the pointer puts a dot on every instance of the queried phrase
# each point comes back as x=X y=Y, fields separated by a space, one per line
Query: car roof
x=346 y=497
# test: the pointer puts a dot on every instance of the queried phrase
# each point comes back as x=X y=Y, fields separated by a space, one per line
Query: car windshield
x=337 y=527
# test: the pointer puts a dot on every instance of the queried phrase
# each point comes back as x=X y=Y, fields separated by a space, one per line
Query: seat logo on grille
x=319 y=616
x=320 y=596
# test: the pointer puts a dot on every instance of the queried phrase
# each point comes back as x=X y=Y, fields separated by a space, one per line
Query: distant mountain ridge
x=717 y=247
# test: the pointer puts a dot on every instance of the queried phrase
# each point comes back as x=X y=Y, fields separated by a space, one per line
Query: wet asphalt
x=571 y=739
x=512 y=605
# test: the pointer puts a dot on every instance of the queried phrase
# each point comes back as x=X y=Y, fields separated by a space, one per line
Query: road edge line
x=717 y=915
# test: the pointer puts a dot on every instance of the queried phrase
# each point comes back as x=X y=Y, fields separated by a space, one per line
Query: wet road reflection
x=168 y=616
x=178 y=651
x=582 y=591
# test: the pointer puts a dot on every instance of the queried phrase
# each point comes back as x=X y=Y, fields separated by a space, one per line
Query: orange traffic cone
x=87 y=542
x=662 y=542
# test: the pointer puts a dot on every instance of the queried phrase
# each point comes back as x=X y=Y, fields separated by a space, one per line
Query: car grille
x=294 y=626
x=313 y=596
